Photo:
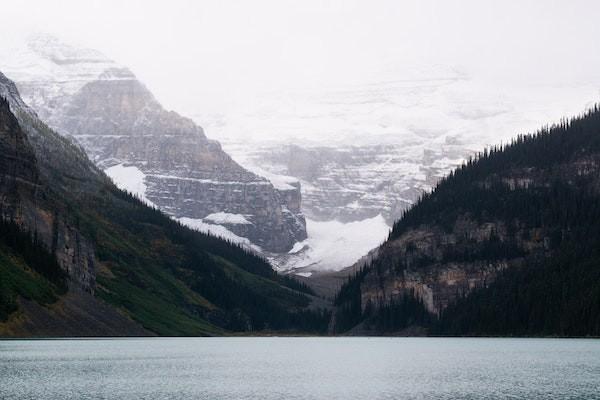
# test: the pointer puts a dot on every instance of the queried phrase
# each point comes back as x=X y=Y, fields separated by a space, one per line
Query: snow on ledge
x=227 y=218
x=218 y=230
x=280 y=182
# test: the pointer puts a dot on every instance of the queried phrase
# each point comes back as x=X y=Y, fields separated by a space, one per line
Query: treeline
x=400 y=313
x=183 y=235
x=559 y=144
x=218 y=246
x=348 y=301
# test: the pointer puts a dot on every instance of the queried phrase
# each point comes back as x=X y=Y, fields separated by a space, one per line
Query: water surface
x=300 y=368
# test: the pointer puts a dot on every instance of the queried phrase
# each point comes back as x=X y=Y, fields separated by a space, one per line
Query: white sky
x=205 y=51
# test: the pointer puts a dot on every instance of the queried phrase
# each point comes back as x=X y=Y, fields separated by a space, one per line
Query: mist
x=212 y=56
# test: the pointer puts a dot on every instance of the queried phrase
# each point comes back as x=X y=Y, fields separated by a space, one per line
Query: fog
x=208 y=56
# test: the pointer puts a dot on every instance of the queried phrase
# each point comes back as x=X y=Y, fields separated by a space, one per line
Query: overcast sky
x=199 y=52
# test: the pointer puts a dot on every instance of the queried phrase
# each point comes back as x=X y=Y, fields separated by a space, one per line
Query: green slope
x=18 y=279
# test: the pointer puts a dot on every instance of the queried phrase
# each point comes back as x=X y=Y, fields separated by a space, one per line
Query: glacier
x=332 y=245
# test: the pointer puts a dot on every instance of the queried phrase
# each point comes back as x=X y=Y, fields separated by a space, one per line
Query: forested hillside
x=508 y=244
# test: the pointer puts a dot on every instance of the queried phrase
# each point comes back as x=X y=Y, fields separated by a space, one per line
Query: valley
x=313 y=222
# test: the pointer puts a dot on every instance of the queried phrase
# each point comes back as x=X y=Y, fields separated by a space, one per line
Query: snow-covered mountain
x=365 y=152
x=164 y=158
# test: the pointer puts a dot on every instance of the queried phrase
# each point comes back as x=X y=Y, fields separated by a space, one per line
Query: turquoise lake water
x=300 y=368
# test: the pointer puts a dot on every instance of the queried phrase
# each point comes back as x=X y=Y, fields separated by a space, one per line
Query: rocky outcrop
x=119 y=123
x=418 y=264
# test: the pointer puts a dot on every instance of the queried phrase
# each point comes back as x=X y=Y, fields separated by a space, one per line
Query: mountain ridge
x=83 y=94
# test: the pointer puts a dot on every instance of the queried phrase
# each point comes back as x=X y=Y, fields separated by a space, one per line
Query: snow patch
x=227 y=218
x=280 y=182
x=353 y=205
x=219 y=231
x=298 y=246
x=209 y=181
x=304 y=274
x=131 y=179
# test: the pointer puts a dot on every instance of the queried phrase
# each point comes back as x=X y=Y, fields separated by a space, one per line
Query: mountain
x=365 y=150
x=507 y=244
x=80 y=257
x=162 y=157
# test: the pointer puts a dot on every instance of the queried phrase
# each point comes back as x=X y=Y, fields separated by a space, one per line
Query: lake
x=299 y=368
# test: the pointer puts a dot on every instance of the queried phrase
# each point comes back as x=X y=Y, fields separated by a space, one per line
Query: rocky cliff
x=24 y=196
x=355 y=182
x=119 y=123
x=17 y=161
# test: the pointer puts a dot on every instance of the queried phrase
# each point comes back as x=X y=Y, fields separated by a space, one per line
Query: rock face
x=22 y=194
x=119 y=123
x=414 y=265
x=17 y=161
x=352 y=183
